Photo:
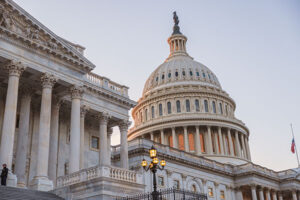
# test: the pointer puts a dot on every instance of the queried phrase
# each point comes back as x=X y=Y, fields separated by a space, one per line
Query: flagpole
x=295 y=145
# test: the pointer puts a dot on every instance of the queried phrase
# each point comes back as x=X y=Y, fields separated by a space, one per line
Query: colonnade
x=47 y=148
x=204 y=140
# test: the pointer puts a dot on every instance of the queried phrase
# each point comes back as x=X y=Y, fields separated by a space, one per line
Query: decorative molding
x=14 y=68
x=48 y=80
x=76 y=92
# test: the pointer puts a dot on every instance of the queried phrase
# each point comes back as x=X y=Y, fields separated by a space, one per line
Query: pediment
x=17 y=23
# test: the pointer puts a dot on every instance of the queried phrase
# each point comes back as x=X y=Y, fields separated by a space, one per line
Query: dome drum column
x=186 y=139
x=174 y=138
x=221 y=140
x=197 y=141
x=237 y=144
x=209 y=142
x=230 y=142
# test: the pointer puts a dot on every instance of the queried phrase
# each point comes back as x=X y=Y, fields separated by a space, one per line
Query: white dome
x=180 y=70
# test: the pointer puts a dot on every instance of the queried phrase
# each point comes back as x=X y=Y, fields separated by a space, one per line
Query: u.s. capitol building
x=56 y=120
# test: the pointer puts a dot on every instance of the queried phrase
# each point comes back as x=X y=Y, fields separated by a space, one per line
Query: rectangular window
x=95 y=143
x=176 y=184
x=222 y=194
x=210 y=192
x=161 y=181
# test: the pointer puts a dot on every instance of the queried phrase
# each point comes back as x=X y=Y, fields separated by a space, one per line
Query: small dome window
x=169 y=75
x=197 y=73
x=183 y=73
x=209 y=76
x=176 y=74
x=163 y=76
x=191 y=73
x=203 y=74
x=156 y=78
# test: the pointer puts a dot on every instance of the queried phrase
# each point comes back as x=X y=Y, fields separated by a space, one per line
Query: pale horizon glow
x=251 y=46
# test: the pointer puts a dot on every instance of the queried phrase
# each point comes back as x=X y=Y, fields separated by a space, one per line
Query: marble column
x=243 y=147
x=109 y=133
x=174 y=138
x=268 y=196
x=237 y=144
x=230 y=142
x=274 y=195
x=15 y=70
x=22 y=142
x=197 y=141
x=261 y=194
x=162 y=137
x=2 y=106
x=74 y=162
x=209 y=145
x=294 y=194
x=41 y=181
x=239 y=194
x=52 y=163
x=247 y=147
x=221 y=140
x=103 y=159
x=124 y=144
x=280 y=196
x=216 y=144
x=83 y=111
x=225 y=145
x=253 y=192
x=186 y=139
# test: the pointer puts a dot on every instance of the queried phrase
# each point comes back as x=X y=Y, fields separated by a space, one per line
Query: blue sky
x=252 y=46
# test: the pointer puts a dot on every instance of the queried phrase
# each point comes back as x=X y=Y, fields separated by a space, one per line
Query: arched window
x=178 y=106
x=169 y=75
x=160 y=109
x=169 y=107
x=203 y=74
x=197 y=105
x=163 y=77
x=183 y=73
x=205 y=105
x=152 y=112
x=194 y=189
x=197 y=73
x=187 y=105
x=226 y=111
x=214 y=107
x=221 y=109
x=156 y=78
x=191 y=73
x=146 y=114
x=176 y=74
x=141 y=115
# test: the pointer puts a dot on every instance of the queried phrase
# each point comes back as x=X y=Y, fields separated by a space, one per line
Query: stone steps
x=12 y=193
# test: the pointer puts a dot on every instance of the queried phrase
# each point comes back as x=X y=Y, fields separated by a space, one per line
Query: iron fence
x=167 y=194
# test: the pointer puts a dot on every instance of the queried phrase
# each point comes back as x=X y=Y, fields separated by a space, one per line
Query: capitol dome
x=184 y=106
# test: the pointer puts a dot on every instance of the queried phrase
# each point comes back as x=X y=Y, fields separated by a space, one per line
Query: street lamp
x=153 y=166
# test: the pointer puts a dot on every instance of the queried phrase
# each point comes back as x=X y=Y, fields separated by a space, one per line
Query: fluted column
x=209 y=145
x=247 y=147
x=230 y=142
x=109 y=133
x=83 y=111
x=253 y=192
x=74 y=162
x=15 y=69
x=22 y=142
x=237 y=144
x=221 y=140
x=52 y=163
x=268 y=196
x=294 y=194
x=261 y=194
x=197 y=141
x=103 y=159
x=274 y=195
x=40 y=181
x=243 y=147
x=124 y=144
x=162 y=136
x=174 y=138
x=186 y=139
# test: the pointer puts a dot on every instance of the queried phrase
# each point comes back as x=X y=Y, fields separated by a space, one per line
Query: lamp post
x=153 y=167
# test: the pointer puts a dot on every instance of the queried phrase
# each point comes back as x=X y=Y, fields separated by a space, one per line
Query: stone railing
x=106 y=83
x=250 y=167
x=97 y=172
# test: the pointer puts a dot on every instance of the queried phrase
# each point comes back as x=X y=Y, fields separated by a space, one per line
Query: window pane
x=197 y=105
x=152 y=111
x=214 y=107
x=160 y=110
x=206 y=105
x=178 y=106
x=187 y=104
x=95 y=142
x=169 y=108
x=221 y=109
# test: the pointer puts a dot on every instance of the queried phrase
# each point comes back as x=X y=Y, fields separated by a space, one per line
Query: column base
x=41 y=183
x=11 y=180
x=21 y=185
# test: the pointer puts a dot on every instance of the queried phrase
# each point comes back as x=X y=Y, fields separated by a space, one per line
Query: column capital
x=76 y=92
x=124 y=124
x=109 y=131
x=48 y=80
x=104 y=117
x=83 y=110
x=14 y=68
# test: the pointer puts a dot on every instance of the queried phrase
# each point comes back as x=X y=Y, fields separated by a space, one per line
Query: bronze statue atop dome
x=176 y=28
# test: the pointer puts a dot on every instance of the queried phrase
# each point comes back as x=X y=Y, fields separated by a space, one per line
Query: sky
x=253 y=47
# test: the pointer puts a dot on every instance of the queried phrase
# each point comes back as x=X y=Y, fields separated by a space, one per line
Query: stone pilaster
x=274 y=195
x=247 y=147
x=41 y=181
x=174 y=137
x=238 y=193
x=22 y=142
x=83 y=111
x=74 y=163
x=124 y=144
x=15 y=70
x=103 y=159
x=243 y=147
